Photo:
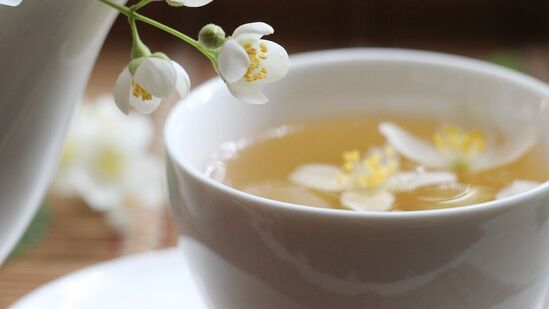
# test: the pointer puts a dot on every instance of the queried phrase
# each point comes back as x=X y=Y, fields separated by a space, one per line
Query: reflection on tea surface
x=381 y=164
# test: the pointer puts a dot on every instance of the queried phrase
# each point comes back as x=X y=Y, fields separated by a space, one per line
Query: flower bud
x=211 y=36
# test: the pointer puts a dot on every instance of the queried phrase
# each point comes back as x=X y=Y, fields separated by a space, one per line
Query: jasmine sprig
x=149 y=77
x=243 y=60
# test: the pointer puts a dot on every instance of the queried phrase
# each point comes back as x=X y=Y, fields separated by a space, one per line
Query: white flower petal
x=120 y=218
x=122 y=89
x=99 y=196
x=517 y=187
x=323 y=177
x=247 y=92
x=277 y=62
x=183 y=84
x=108 y=163
x=511 y=150
x=145 y=107
x=252 y=31
x=10 y=2
x=412 y=147
x=134 y=132
x=100 y=121
x=157 y=76
x=193 y=3
x=233 y=61
x=145 y=181
x=364 y=200
x=408 y=181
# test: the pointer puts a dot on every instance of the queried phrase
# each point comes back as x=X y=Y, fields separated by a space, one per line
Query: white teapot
x=47 y=50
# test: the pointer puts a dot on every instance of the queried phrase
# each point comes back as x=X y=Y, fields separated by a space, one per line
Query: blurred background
x=69 y=233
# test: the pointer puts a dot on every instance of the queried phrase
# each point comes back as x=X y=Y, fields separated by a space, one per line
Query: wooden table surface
x=78 y=237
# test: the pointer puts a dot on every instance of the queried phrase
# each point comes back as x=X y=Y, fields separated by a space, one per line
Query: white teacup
x=250 y=252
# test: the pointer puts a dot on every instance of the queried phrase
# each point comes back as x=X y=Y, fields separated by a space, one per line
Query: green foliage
x=507 y=59
x=35 y=231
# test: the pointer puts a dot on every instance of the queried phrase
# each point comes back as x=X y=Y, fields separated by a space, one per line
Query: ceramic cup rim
x=308 y=59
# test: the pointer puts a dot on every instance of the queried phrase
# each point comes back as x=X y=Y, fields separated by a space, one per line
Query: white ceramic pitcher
x=47 y=50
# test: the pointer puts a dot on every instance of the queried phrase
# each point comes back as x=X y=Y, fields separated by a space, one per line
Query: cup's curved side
x=250 y=252
x=248 y=255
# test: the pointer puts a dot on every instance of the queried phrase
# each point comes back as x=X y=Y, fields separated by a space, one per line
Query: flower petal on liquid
x=323 y=177
x=233 y=61
x=364 y=200
x=122 y=89
x=516 y=187
x=157 y=76
x=408 y=181
x=412 y=147
x=247 y=92
x=511 y=150
x=252 y=31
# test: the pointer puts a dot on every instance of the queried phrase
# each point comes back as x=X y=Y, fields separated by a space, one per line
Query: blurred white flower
x=106 y=162
x=189 y=3
x=246 y=60
x=10 y=2
x=146 y=81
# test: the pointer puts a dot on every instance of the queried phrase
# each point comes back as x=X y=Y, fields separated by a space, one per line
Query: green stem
x=175 y=33
x=133 y=27
x=119 y=7
x=131 y=13
x=139 y=49
x=139 y=5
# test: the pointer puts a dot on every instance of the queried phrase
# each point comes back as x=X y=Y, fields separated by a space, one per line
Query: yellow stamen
x=453 y=139
x=373 y=170
x=140 y=92
x=109 y=163
x=389 y=151
x=255 y=70
x=349 y=159
x=69 y=152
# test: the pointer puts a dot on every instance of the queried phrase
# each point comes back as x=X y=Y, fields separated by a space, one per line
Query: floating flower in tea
x=455 y=149
x=516 y=187
x=367 y=183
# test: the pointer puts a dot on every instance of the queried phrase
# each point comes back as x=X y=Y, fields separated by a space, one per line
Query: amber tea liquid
x=261 y=165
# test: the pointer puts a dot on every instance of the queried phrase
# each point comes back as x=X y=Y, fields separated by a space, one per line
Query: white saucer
x=153 y=280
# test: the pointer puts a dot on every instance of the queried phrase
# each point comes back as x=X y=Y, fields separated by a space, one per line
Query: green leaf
x=507 y=59
x=35 y=231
